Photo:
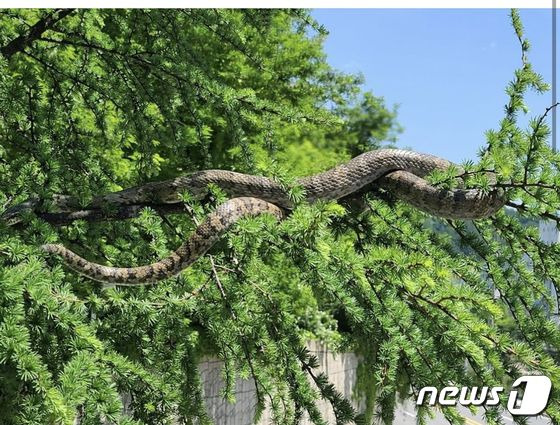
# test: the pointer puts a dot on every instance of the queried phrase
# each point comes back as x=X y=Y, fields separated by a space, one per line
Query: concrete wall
x=341 y=370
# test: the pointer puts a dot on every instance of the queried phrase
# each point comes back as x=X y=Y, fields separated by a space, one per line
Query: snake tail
x=203 y=238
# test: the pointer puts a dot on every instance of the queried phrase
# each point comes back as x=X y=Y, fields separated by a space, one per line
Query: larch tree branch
x=18 y=44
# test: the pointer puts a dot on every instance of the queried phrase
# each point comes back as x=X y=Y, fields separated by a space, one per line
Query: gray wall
x=341 y=370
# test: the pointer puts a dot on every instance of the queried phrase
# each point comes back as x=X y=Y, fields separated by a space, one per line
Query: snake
x=401 y=172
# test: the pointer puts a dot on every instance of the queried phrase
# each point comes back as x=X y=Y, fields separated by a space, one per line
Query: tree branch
x=532 y=141
x=13 y=216
x=115 y=207
x=520 y=206
x=20 y=43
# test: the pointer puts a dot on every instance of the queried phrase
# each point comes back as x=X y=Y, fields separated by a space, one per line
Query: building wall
x=549 y=234
x=548 y=231
x=340 y=368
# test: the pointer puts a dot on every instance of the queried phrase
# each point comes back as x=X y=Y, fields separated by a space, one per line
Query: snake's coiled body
x=398 y=171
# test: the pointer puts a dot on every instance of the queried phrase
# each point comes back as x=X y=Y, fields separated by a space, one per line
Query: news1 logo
x=532 y=401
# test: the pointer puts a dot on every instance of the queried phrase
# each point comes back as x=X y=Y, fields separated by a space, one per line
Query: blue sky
x=447 y=69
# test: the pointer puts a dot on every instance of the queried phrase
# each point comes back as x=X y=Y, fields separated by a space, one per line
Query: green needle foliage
x=93 y=101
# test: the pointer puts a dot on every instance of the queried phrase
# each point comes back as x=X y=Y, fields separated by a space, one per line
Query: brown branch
x=532 y=141
x=13 y=216
x=114 y=206
x=538 y=185
x=524 y=209
x=18 y=44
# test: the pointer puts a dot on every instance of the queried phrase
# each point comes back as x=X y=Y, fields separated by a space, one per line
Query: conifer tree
x=94 y=101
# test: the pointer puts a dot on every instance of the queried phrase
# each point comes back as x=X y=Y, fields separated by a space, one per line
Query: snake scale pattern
x=398 y=171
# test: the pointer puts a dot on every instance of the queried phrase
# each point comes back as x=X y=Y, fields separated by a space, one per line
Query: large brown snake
x=399 y=171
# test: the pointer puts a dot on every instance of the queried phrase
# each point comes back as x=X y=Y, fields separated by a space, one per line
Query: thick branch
x=13 y=218
x=163 y=197
x=36 y=31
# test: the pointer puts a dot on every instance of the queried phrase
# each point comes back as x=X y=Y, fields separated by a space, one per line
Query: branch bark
x=162 y=196
x=18 y=44
x=13 y=216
